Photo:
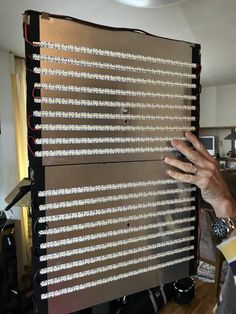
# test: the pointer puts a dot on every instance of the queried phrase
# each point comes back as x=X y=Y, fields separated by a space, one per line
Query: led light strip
x=106 y=103
x=113 y=244
x=111 y=116
x=110 y=66
x=102 y=151
x=101 y=140
x=112 y=233
x=111 y=78
x=114 y=278
x=97 y=212
x=102 y=223
x=113 y=198
x=109 y=91
x=106 y=257
x=105 y=187
x=114 y=266
x=75 y=127
x=114 y=54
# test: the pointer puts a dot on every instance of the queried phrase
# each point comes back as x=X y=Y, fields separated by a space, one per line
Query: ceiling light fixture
x=150 y=3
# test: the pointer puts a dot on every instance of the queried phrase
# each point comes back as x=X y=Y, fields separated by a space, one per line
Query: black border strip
x=37 y=177
x=31 y=28
x=196 y=58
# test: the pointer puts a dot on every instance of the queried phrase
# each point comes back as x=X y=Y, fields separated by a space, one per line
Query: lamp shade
x=231 y=136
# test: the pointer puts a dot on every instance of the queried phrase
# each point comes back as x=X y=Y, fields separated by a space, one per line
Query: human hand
x=203 y=171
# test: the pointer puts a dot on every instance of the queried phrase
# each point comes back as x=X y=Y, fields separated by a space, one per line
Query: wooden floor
x=203 y=303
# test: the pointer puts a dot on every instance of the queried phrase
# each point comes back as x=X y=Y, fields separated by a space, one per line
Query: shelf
x=217 y=127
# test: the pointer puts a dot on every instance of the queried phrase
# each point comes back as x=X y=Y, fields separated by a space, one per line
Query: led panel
x=100 y=94
x=108 y=230
x=103 y=105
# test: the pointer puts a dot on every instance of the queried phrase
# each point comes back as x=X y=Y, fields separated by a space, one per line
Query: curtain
x=18 y=80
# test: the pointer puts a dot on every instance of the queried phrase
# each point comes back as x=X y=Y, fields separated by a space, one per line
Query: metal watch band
x=223 y=227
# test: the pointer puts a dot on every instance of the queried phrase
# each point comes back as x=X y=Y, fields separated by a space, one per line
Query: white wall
x=8 y=163
x=218 y=109
x=218 y=106
x=208 y=107
x=226 y=104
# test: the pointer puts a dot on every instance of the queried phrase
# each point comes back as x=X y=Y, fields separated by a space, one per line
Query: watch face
x=220 y=229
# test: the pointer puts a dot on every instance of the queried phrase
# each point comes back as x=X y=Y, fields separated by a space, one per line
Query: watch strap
x=223 y=227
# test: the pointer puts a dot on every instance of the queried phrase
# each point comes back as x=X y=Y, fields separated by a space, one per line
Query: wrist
x=224 y=225
x=225 y=208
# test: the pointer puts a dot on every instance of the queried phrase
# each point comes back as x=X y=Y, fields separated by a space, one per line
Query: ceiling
x=212 y=23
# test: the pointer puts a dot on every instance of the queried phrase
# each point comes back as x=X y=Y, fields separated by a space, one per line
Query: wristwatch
x=223 y=227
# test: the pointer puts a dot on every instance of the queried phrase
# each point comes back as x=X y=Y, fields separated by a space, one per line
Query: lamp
x=19 y=196
x=232 y=137
x=150 y=3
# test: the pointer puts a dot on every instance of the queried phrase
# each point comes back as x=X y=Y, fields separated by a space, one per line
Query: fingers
x=196 y=157
x=200 y=161
x=183 y=177
x=197 y=145
x=188 y=152
x=184 y=166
